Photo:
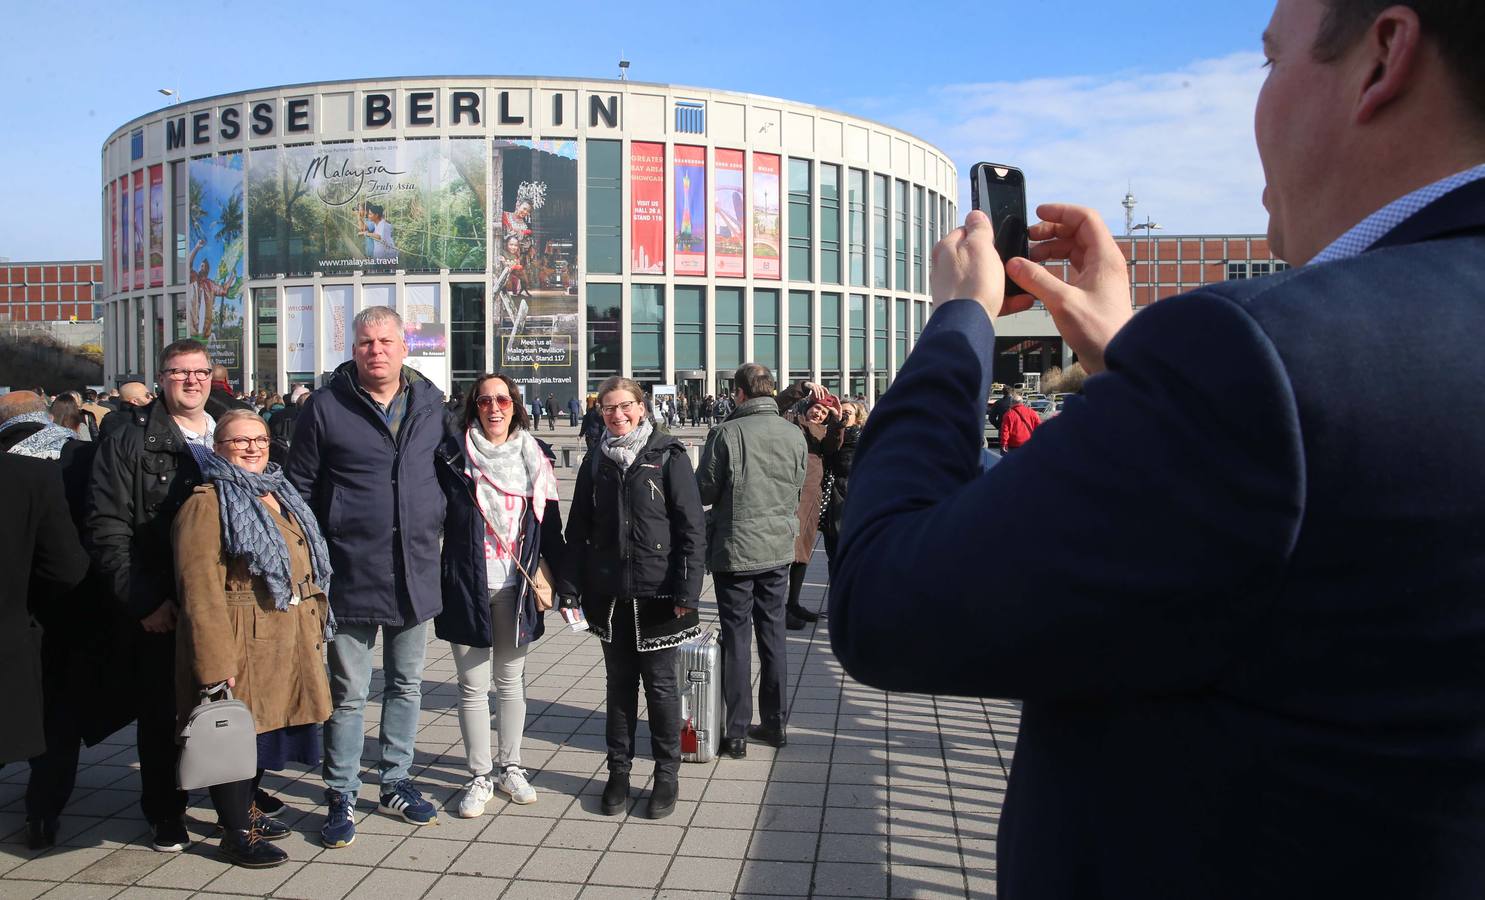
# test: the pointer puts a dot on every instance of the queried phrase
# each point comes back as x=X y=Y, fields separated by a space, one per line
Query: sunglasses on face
x=485 y=401
x=241 y=444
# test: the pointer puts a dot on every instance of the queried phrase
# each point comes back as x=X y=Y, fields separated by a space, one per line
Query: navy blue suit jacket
x=1239 y=583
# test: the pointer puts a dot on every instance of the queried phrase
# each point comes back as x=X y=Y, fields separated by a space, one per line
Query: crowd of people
x=249 y=546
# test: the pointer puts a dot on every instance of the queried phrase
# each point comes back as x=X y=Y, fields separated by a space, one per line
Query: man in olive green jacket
x=751 y=473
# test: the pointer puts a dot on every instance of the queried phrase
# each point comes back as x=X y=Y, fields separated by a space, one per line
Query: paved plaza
x=876 y=795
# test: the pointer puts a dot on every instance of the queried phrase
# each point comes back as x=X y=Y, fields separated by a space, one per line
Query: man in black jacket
x=143 y=472
x=221 y=399
x=364 y=459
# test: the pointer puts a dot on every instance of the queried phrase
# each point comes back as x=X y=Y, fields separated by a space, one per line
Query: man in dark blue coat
x=363 y=457
x=1257 y=670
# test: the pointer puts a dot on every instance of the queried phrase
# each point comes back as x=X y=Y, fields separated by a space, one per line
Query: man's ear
x=1389 y=51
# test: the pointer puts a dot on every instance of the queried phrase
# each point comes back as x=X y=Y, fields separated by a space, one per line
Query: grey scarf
x=248 y=529
x=44 y=444
x=624 y=449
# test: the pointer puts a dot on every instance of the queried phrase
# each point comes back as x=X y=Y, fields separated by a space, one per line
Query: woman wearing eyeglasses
x=503 y=521
x=639 y=549
x=251 y=572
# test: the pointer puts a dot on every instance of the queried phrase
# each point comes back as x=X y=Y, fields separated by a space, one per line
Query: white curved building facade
x=558 y=230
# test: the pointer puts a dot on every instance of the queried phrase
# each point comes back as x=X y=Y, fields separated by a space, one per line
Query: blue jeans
x=402 y=700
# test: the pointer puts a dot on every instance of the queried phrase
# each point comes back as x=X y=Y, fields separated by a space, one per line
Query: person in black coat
x=592 y=427
x=503 y=521
x=838 y=476
x=39 y=554
x=637 y=543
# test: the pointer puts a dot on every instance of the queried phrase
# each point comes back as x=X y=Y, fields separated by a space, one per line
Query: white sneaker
x=513 y=782
x=476 y=795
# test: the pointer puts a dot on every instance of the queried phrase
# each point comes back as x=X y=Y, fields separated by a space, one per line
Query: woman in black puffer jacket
x=639 y=548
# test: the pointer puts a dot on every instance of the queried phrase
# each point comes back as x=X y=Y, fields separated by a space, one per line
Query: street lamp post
x=1149 y=228
x=172 y=93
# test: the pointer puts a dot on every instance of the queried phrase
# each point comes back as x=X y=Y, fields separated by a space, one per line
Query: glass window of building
x=265 y=336
x=466 y=333
x=178 y=306
x=180 y=220
x=920 y=313
x=856 y=322
x=900 y=237
x=604 y=343
x=830 y=370
x=647 y=332
x=933 y=233
x=901 y=307
x=919 y=239
x=690 y=328
x=829 y=224
x=766 y=330
x=881 y=232
x=856 y=225
x=605 y=207
x=801 y=359
x=801 y=244
x=728 y=341
x=880 y=334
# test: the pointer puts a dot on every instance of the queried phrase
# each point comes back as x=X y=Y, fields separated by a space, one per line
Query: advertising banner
x=377 y=295
x=420 y=303
x=766 y=216
x=214 y=301
x=690 y=210
x=646 y=208
x=299 y=329
x=157 y=226
x=139 y=229
x=337 y=309
x=115 y=265
x=729 y=213
x=125 y=282
x=534 y=292
x=377 y=207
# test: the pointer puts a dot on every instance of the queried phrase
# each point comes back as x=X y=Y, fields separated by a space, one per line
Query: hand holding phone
x=1000 y=192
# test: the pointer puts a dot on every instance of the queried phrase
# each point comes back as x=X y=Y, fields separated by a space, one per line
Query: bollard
x=694 y=452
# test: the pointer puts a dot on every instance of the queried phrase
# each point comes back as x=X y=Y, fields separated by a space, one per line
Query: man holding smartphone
x=1259 y=672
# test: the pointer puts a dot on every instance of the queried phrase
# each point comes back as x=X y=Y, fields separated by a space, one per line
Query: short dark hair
x=754 y=380
x=182 y=348
x=519 y=417
x=1456 y=25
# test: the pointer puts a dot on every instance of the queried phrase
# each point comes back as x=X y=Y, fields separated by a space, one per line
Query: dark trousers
x=759 y=597
x=159 y=799
x=233 y=800
x=54 y=773
x=626 y=666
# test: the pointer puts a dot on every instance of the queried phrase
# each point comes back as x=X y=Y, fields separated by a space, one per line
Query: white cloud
x=1183 y=140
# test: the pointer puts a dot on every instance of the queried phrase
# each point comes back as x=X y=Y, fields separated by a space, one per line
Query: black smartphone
x=1000 y=193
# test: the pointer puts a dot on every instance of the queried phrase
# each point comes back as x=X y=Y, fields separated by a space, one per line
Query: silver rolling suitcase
x=699 y=672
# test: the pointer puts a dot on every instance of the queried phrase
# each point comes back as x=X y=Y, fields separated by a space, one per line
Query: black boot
x=804 y=615
x=616 y=793
x=662 y=797
x=41 y=833
x=247 y=849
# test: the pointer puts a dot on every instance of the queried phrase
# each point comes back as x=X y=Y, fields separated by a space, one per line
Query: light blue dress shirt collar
x=1376 y=226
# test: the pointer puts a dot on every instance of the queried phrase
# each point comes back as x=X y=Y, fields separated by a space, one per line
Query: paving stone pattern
x=876 y=795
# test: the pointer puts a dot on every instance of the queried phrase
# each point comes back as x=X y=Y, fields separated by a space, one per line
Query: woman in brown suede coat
x=251 y=572
x=817 y=413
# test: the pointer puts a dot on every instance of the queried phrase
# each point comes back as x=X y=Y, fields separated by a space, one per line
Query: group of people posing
x=224 y=570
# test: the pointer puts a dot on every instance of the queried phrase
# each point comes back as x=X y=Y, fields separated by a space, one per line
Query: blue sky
x=1087 y=97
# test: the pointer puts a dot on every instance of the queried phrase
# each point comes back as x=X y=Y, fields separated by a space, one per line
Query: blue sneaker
x=340 y=822
x=402 y=799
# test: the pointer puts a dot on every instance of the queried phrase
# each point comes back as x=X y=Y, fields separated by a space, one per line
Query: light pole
x=172 y=93
x=1149 y=228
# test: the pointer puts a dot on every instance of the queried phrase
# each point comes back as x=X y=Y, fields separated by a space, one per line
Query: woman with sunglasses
x=503 y=521
x=636 y=515
x=251 y=571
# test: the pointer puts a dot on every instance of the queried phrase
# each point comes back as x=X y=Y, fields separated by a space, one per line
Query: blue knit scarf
x=248 y=529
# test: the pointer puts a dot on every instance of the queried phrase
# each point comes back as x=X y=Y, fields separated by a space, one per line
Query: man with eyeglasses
x=363 y=458
x=142 y=474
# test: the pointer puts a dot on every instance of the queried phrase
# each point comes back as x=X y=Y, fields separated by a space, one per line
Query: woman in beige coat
x=817 y=413
x=251 y=572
